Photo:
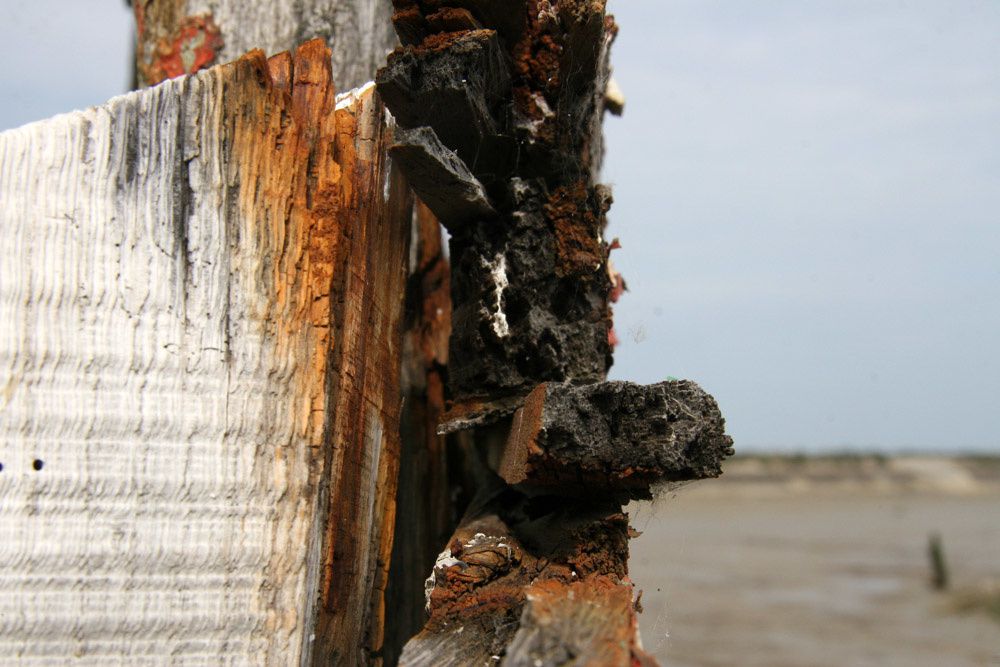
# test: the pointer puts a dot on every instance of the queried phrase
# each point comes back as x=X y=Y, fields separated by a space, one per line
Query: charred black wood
x=456 y=83
x=441 y=179
x=519 y=101
x=503 y=101
x=616 y=438
x=530 y=295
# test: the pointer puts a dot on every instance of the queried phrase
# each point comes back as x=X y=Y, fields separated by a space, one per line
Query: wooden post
x=200 y=326
x=182 y=36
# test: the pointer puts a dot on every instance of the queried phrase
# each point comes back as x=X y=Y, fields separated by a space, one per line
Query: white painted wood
x=359 y=32
x=158 y=360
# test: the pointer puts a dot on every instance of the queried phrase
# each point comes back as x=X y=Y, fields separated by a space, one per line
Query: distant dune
x=777 y=475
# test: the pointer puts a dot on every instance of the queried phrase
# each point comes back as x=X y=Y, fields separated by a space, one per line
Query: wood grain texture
x=184 y=300
x=374 y=219
x=359 y=32
x=426 y=514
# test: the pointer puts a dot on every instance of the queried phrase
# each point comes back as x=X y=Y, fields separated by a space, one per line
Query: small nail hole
x=38 y=464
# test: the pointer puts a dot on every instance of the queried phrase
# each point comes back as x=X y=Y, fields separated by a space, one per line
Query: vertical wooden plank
x=179 y=279
x=374 y=221
x=425 y=517
x=176 y=36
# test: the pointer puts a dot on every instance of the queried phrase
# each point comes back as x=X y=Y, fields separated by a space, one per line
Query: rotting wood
x=198 y=310
x=181 y=36
x=618 y=438
x=373 y=211
x=441 y=179
x=518 y=96
x=504 y=591
x=530 y=288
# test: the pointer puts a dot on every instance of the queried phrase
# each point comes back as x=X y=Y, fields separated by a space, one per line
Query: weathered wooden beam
x=617 y=438
x=200 y=324
x=358 y=33
x=177 y=37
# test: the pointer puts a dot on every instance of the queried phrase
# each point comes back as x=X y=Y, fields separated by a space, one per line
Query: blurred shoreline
x=823 y=561
x=772 y=475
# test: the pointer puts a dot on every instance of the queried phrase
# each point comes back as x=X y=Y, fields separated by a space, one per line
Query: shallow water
x=834 y=578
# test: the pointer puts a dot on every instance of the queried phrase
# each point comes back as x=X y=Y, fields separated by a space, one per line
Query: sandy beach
x=792 y=562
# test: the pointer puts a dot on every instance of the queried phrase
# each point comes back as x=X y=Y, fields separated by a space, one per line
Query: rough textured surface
x=568 y=625
x=359 y=32
x=504 y=589
x=440 y=178
x=530 y=286
x=615 y=437
x=180 y=278
x=455 y=83
x=515 y=90
x=373 y=208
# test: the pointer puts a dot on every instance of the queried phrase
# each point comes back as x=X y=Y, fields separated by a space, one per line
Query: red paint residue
x=194 y=46
x=612 y=338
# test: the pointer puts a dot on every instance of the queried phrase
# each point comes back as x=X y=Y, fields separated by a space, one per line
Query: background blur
x=807 y=193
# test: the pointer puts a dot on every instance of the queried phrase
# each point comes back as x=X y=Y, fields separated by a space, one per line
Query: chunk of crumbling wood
x=220 y=262
x=440 y=178
x=454 y=82
x=505 y=589
x=614 y=437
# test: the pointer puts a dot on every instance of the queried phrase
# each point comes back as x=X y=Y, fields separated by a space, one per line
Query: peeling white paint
x=498 y=274
x=443 y=562
x=350 y=97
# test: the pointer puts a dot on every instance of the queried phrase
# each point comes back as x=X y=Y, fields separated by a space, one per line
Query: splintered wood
x=499 y=104
x=199 y=372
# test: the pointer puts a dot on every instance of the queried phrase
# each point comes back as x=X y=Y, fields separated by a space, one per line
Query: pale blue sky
x=807 y=192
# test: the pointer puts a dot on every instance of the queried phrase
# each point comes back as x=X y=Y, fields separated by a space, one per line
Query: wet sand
x=820 y=564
